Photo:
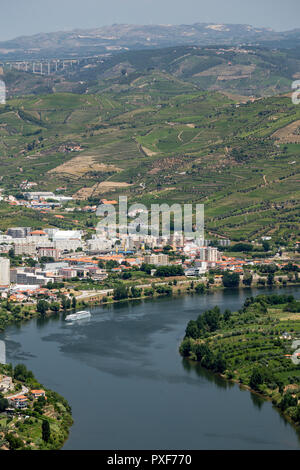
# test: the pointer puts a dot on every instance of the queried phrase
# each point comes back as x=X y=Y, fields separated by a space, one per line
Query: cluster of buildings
x=40 y=243
x=19 y=401
x=22 y=402
x=38 y=200
x=57 y=255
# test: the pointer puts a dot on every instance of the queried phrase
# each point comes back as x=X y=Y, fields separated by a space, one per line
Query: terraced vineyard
x=256 y=347
x=160 y=139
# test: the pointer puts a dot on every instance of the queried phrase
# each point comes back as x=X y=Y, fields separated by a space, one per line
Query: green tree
x=247 y=278
x=14 y=442
x=200 y=288
x=220 y=363
x=3 y=404
x=46 y=430
x=227 y=315
x=120 y=292
x=192 y=330
x=266 y=245
x=55 y=307
x=231 y=279
x=21 y=373
x=42 y=307
x=270 y=280
x=135 y=292
x=185 y=347
x=256 y=379
x=65 y=303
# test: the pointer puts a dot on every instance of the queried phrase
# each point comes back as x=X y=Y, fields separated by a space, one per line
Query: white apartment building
x=68 y=244
x=5 y=238
x=4 y=272
x=24 y=247
x=209 y=253
x=158 y=260
x=99 y=244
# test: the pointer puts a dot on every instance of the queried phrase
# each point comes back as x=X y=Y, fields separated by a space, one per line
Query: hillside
x=244 y=70
x=158 y=138
x=79 y=43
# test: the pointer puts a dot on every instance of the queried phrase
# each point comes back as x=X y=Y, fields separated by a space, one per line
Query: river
x=130 y=389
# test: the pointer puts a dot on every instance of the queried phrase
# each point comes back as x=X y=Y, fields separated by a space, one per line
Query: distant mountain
x=116 y=38
x=241 y=70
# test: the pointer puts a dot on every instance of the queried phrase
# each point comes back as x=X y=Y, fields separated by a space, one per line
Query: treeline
x=202 y=353
x=64 y=303
x=163 y=271
x=123 y=292
x=206 y=323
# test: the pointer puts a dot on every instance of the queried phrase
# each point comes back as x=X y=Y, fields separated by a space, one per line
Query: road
x=22 y=392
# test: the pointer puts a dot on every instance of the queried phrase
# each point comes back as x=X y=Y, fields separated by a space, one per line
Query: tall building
x=18 y=232
x=158 y=260
x=4 y=272
x=210 y=254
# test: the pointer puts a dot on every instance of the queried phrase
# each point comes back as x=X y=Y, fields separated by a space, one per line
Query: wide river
x=130 y=389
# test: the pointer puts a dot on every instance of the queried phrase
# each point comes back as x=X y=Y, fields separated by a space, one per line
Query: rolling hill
x=159 y=138
x=110 y=39
x=244 y=70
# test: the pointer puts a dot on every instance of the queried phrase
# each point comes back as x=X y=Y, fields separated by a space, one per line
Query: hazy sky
x=26 y=17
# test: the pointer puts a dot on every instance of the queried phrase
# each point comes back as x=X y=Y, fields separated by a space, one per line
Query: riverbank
x=194 y=286
x=253 y=347
x=32 y=417
x=18 y=313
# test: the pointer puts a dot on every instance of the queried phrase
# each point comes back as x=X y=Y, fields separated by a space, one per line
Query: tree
x=247 y=278
x=120 y=292
x=266 y=245
x=288 y=401
x=31 y=262
x=227 y=315
x=185 y=347
x=42 y=307
x=21 y=373
x=168 y=271
x=200 y=288
x=192 y=330
x=135 y=292
x=65 y=303
x=14 y=442
x=220 y=364
x=270 y=280
x=74 y=302
x=55 y=307
x=241 y=247
x=256 y=379
x=126 y=275
x=45 y=430
x=231 y=279
x=3 y=404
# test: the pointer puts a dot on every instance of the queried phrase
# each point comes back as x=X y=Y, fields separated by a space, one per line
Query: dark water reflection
x=130 y=389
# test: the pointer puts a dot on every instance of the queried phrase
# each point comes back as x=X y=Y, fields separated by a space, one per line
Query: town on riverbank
x=51 y=269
